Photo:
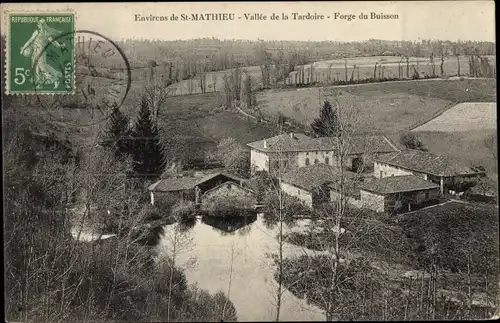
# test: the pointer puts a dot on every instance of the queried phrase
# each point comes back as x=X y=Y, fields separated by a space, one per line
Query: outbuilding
x=398 y=193
x=440 y=169
x=190 y=188
x=309 y=184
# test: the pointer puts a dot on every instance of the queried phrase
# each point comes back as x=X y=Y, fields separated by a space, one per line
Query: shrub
x=227 y=206
x=450 y=232
x=183 y=210
x=291 y=206
x=411 y=141
x=232 y=155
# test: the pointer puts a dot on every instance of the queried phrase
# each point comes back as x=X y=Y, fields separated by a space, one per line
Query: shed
x=398 y=193
x=309 y=184
x=441 y=169
x=190 y=187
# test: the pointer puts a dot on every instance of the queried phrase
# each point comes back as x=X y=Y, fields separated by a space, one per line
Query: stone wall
x=301 y=194
x=372 y=201
x=258 y=160
x=230 y=191
x=381 y=170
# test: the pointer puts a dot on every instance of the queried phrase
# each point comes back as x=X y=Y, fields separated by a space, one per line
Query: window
x=327 y=161
x=316 y=161
x=307 y=154
x=307 y=162
x=381 y=174
x=316 y=153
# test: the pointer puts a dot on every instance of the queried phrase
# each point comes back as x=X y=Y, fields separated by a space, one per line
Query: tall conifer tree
x=328 y=124
x=148 y=153
x=117 y=137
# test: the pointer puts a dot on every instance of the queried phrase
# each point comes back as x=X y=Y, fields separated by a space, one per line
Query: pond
x=233 y=255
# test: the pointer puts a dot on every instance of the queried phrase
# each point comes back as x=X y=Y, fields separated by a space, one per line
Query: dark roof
x=300 y=142
x=313 y=176
x=172 y=184
x=351 y=183
x=364 y=144
x=229 y=182
x=290 y=142
x=426 y=162
x=397 y=184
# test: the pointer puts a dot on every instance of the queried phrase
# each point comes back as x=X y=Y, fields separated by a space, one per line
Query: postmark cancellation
x=40 y=52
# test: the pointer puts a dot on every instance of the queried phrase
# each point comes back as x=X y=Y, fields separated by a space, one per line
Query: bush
x=411 y=141
x=232 y=155
x=261 y=183
x=450 y=232
x=227 y=206
x=291 y=206
x=183 y=210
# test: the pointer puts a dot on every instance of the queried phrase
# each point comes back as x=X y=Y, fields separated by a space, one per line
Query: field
x=192 y=124
x=390 y=67
x=380 y=105
x=214 y=80
x=475 y=147
x=464 y=117
x=189 y=124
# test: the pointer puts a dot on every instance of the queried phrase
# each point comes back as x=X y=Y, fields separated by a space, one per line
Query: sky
x=445 y=20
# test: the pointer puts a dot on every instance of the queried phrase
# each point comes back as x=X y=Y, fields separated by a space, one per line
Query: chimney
x=292 y=135
x=265 y=143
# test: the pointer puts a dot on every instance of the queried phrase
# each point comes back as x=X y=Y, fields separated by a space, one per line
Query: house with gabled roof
x=397 y=193
x=295 y=150
x=190 y=188
x=440 y=169
x=308 y=184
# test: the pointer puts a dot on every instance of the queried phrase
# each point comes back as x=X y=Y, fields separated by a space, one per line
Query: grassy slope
x=391 y=108
x=383 y=107
x=192 y=124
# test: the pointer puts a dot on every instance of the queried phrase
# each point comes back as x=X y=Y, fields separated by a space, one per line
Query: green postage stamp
x=40 y=53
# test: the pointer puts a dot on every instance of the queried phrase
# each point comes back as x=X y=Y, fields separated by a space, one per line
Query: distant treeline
x=215 y=54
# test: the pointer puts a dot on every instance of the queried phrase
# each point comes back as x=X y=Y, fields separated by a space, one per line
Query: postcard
x=250 y=161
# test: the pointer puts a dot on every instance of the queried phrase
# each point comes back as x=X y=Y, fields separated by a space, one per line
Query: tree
x=230 y=154
x=247 y=91
x=157 y=90
x=411 y=141
x=117 y=137
x=232 y=86
x=148 y=154
x=328 y=122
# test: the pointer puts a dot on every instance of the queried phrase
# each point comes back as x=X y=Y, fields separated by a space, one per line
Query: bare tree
x=156 y=93
x=175 y=243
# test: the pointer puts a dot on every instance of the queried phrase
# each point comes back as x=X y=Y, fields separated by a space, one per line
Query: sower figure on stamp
x=36 y=48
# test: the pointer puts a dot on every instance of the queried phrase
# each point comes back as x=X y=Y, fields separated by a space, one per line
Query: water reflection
x=229 y=225
x=233 y=255
x=271 y=219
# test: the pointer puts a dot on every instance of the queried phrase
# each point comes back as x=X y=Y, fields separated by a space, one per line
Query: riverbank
x=398 y=259
x=237 y=259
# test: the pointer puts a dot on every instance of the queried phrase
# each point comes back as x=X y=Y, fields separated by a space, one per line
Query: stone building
x=309 y=183
x=440 y=169
x=190 y=188
x=296 y=150
x=397 y=193
x=230 y=192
